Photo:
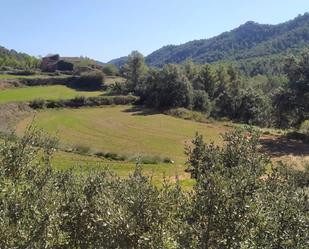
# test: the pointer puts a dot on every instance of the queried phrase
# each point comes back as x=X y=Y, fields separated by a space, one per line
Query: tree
x=236 y=204
x=110 y=69
x=167 y=88
x=297 y=71
x=135 y=70
x=206 y=80
x=201 y=101
x=191 y=70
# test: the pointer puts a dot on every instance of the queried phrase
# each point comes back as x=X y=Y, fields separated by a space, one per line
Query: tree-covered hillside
x=119 y=62
x=11 y=58
x=257 y=43
x=247 y=41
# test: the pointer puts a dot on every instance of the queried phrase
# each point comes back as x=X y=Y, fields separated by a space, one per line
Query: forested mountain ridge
x=249 y=40
x=119 y=62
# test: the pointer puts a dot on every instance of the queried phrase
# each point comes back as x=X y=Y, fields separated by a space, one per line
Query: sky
x=108 y=29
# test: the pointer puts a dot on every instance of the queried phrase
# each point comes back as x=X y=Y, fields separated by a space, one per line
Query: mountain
x=119 y=62
x=250 y=40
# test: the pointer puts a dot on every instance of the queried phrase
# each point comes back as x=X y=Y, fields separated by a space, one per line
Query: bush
x=304 y=128
x=110 y=156
x=38 y=104
x=297 y=136
x=110 y=70
x=233 y=205
x=24 y=72
x=65 y=66
x=188 y=115
x=82 y=149
x=90 y=81
x=81 y=101
x=148 y=159
x=55 y=103
x=118 y=88
x=43 y=81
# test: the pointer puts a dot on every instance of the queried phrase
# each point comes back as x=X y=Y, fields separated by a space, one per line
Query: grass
x=11 y=76
x=121 y=130
x=118 y=129
x=41 y=92
x=82 y=164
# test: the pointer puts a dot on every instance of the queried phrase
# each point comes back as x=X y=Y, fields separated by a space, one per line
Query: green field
x=41 y=92
x=157 y=172
x=11 y=76
x=120 y=130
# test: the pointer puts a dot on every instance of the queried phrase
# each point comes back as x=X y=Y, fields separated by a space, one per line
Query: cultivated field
x=42 y=92
x=123 y=130
x=11 y=76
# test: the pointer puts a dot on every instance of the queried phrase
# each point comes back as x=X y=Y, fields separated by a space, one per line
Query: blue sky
x=107 y=29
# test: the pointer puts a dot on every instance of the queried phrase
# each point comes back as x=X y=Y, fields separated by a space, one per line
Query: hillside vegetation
x=251 y=45
x=233 y=204
x=248 y=41
x=176 y=156
x=11 y=58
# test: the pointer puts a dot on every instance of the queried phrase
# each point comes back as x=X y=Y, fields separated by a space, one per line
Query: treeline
x=223 y=91
x=240 y=200
x=13 y=59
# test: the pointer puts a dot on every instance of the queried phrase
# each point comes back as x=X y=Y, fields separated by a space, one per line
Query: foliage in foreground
x=234 y=204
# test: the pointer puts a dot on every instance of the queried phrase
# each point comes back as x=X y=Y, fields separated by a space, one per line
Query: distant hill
x=119 y=62
x=250 y=40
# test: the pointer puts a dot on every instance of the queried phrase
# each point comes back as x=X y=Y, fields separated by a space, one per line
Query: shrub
x=82 y=149
x=110 y=156
x=304 y=128
x=81 y=101
x=38 y=104
x=55 y=103
x=43 y=81
x=188 y=114
x=233 y=205
x=114 y=156
x=297 y=136
x=118 y=88
x=65 y=65
x=24 y=72
x=90 y=81
x=110 y=69
x=149 y=159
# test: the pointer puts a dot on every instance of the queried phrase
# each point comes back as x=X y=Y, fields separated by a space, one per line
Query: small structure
x=52 y=63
